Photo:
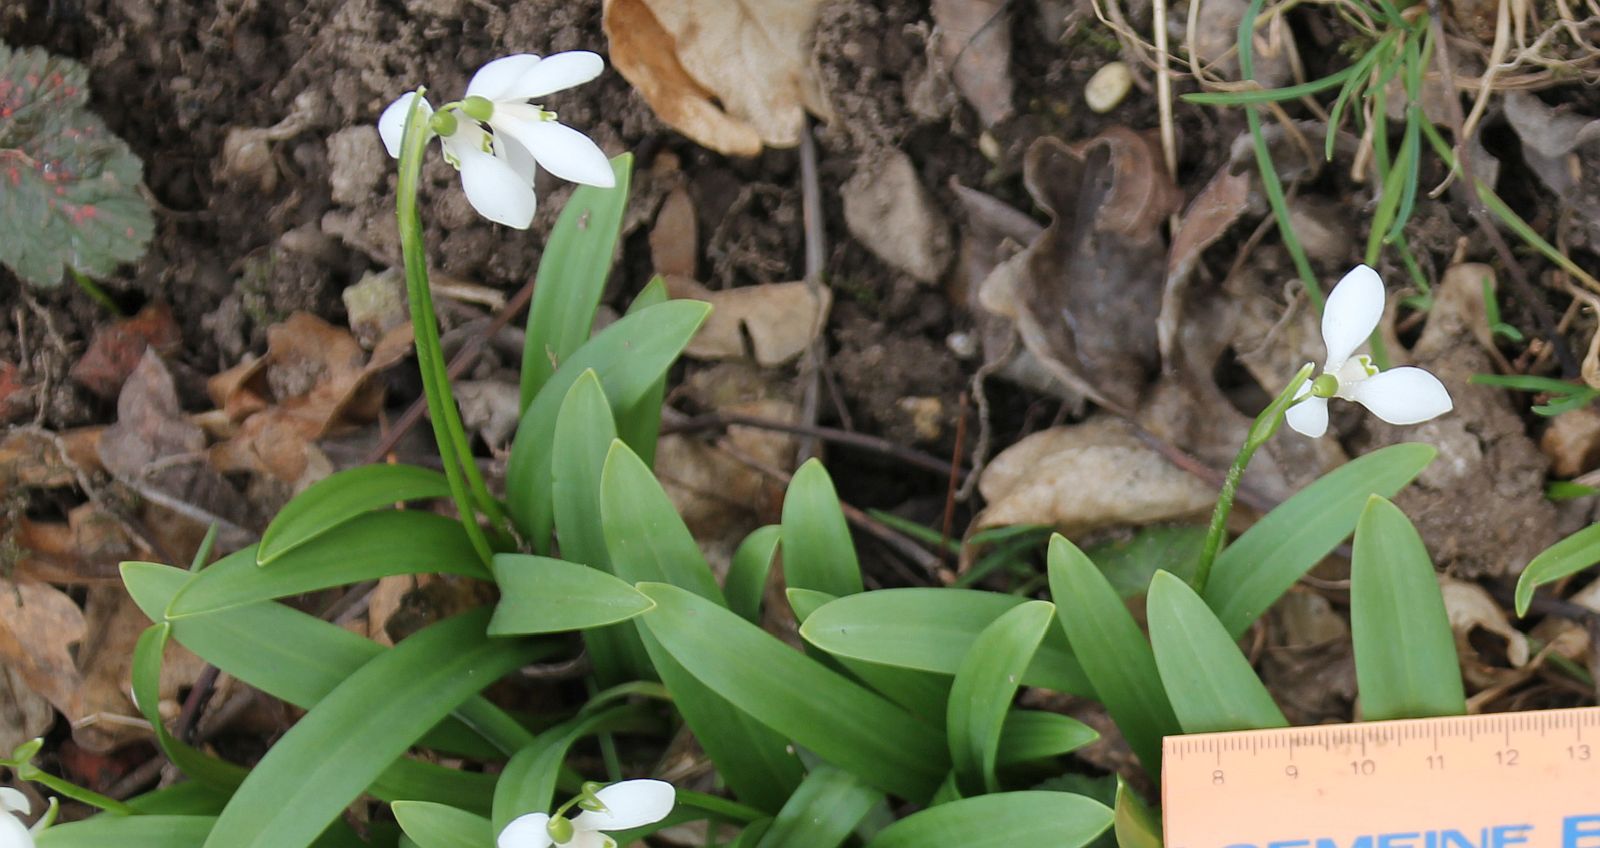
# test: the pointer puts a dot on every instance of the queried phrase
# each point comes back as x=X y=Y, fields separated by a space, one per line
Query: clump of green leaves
x=69 y=188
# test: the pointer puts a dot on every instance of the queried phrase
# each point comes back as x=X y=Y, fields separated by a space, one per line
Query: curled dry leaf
x=730 y=76
x=975 y=47
x=1209 y=217
x=39 y=627
x=1564 y=150
x=1085 y=477
x=1470 y=608
x=771 y=323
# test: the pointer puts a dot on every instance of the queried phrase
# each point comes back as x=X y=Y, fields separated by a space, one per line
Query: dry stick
x=722 y=420
x=955 y=481
x=816 y=256
x=1480 y=215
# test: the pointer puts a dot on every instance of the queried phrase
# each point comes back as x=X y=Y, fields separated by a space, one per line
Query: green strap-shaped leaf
x=338 y=748
x=433 y=825
x=1406 y=664
x=365 y=548
x=571 y=277
x=818 y=552
x=822 y=812
x=528 y=783
x=630 y=358
x=583 y=437
x=932 y=630
x=1135 y=825
x=639 y=426
x=1253 y=572
x=924 y=694
x=1001 y=820
x=544 y=595
x=129 y=832
x=646 y=539
x=188 y=798
x=1566 y=557
x=1036 y=735
x=1113 y=650
x=984 y=687
x=202 y=767
x=747 y=573
x=1208 y=680
x=342 y=496
x=841 y=722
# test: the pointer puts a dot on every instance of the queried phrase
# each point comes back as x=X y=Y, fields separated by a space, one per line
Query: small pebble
x=1108 y=87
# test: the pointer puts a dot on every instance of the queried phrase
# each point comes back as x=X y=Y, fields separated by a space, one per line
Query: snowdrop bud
x=560 y=829
x=478 y=108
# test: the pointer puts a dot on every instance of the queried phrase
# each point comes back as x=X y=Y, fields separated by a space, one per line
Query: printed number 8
x=1216 y=777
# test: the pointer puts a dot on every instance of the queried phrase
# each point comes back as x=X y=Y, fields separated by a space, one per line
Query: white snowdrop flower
x=13 y=833
x=629 y=804
x=1399 y=396
x=497 y=169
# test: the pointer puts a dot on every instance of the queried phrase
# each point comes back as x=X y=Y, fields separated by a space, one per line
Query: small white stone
x=1108 y=87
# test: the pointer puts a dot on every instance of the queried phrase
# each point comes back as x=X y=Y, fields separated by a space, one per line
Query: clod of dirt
x=490 y=408
x=771 y=323
x=974 y=45
x=356 y=164
x=118 y=347
x=1572 y=442
x=1086 y=477
x=376 y=305
x=888 y=211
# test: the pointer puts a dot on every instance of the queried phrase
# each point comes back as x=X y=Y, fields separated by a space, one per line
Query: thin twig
x=721 y=420
x=816 y=255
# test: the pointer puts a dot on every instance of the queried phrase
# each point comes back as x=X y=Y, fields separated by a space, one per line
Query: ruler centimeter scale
x=1486 y=781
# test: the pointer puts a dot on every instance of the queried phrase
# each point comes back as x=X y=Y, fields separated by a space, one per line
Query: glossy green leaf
x=823 y=811
x=1406 y=664
x=639 y=425
x=747 y=573
x=984 y=687
x=544 y=595
x=364 y=548
x=841 y=722
x=1565 y=558
x=583 y=437
x=1135 y=824
x=571 y=277
x=433 y=825
x=922 y=693
x=645 y=538
x=818 y=552
x=1037 y=735
x=342 y=496
x=1253 y=572
x=129 y=832
x=146 y=673
x=932 y=630
x=347 y=740
x=1001 y=820
x=630 y=357
x=1208 y=680
x=1113 y=650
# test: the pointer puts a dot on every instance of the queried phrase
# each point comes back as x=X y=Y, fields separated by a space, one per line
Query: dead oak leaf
x=750 y=56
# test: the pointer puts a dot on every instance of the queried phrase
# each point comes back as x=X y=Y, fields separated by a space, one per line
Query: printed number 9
x=1291 y=771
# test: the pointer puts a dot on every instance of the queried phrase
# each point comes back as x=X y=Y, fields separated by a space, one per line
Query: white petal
x=1309 y=417
x=1403 y=395
x=494 y=79
x=514 y=154
x=494 y=188
x=13 y=834
x=562 y=151
x=13 y=801
x=562 y=70
x=631 y=803
x=1352 y=312
x=527 y=831
x=392 y=123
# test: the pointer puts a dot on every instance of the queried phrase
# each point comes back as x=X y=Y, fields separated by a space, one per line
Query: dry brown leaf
x=1209 y=216
x=771 y=323
x=39 y=625
x=674 y=239
x=975 y=46
x=1470 y=608
x=891 y=214
x=750 y=56
x=24 y=713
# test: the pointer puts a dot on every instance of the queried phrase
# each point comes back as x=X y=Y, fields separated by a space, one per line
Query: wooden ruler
x=1487 y=781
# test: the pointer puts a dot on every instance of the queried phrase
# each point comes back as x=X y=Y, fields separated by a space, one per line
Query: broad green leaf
x=1253 y=572
x=415 y=780
x=1406 y=664
x=433 y=825
x=1208 y=680
x=639 y=426
x=1001 y=820
x=1566 y=557
x=932 y=630
x=923 y=693
x=1037 y=735
x=146 y=673
x=1113 y=650
x=984 y=687
x=630 y=358
x=187 y=798
x=1135 y=824
x=752 y=834
x=571 y=277
x=129 y=832
x=818 y=552
x=300 y=658
x=747 y=574
x=347 y=740
x=363 y=548
x=342 y=496
x=645 y=538
x=841 y=722
x=583 y=437
x=823 y=811
x=544 y=595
